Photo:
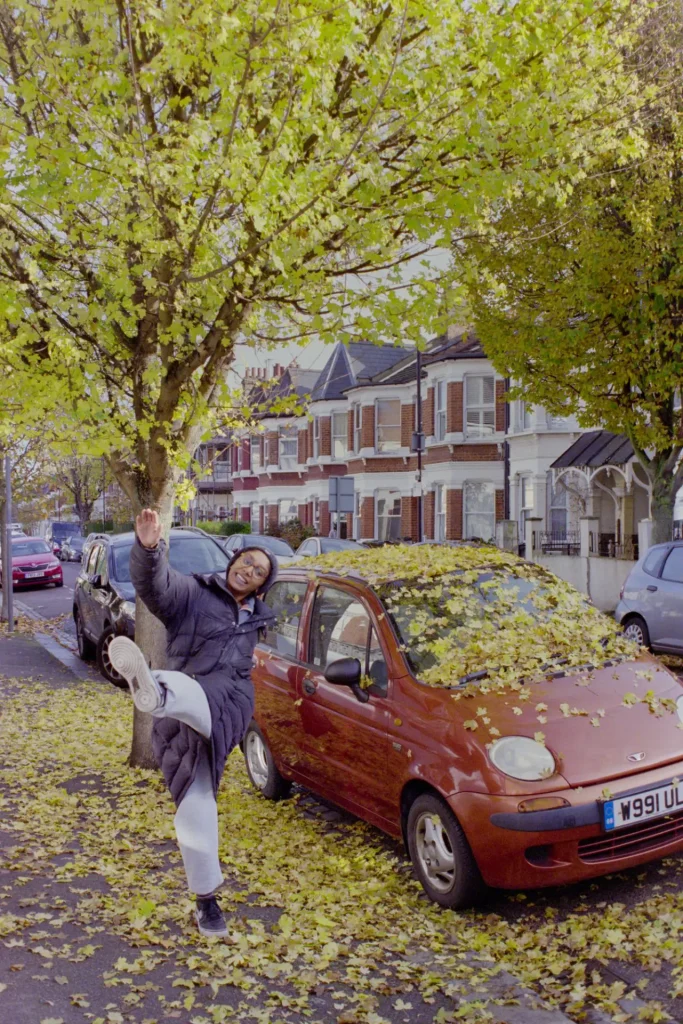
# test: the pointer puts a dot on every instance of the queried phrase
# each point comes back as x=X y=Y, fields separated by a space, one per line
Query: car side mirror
x=347 y=672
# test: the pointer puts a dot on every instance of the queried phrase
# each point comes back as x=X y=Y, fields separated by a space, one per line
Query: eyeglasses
x=247 y=562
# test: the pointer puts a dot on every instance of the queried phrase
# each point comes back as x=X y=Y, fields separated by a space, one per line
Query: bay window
x=388 y=504
x=287 y=448
x=339 y=435
x=440 y=415
x=479 y=510
x=387 y=424
x=480 y=406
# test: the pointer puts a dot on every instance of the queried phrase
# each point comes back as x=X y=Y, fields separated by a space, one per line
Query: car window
x=274 y=544
x=92 y=560
x=653 y=561
x=286 y=600
x=307 y=548
x=31 y=547
x=673 y=567
x=101 y=563
x=377 y=666
x=339 y=628
x=186 y=554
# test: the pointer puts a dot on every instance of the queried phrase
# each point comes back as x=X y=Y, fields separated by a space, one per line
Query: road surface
x=51 y=602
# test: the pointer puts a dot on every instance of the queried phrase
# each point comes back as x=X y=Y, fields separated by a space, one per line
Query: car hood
x=600 y=724
x=24 y=561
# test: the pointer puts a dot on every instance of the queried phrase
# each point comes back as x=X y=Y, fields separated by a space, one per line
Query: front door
x=277 y=671
x=345 y=743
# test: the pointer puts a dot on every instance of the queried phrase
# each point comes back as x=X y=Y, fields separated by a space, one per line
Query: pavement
x=76 y=974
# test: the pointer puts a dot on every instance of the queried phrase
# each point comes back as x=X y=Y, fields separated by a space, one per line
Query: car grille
x=646 y=836
x=34 y=568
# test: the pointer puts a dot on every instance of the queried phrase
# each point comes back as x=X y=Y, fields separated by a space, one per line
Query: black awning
x=596 y=448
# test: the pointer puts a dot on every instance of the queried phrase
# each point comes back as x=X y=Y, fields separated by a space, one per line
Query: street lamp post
x=418 y=445
x=7 y=580
x=104 y=500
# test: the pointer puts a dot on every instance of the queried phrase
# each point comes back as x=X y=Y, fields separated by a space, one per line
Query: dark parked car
x=104 y=597
x=72 y=549
x=33 y=564
x=651 y=601
x=278 y=547
x=359 y=698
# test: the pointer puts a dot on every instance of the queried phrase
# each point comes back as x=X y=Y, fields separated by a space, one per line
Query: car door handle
x=309 y=686
x=652 y=589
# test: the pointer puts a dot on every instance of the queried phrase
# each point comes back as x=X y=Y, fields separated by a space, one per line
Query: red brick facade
x=326 y=435
x=500 y=505
x=367 y=519
x=407 y=424
x=409 y=518
x=272 y=457
x=273 y=516
x=368 y=427
x=302 y=512
x=302 y=446
x=429 y=514
x=349 y=431
x=454 y=407
x=246 y=514
x=454 y=514
x=324 y=518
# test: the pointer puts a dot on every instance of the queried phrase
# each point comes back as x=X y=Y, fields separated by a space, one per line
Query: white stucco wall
x=601 y=579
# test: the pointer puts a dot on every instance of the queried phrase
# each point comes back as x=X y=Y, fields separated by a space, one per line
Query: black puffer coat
x=205 y=640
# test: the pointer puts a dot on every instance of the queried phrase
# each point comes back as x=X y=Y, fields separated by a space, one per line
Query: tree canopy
x=581 y=303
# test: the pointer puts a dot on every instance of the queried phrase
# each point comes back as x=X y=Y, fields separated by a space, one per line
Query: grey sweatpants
x=196 y=820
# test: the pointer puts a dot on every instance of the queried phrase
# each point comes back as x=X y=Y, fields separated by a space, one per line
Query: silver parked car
x=651 y=601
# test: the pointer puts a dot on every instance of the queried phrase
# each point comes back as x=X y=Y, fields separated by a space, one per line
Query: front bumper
x=38 y=581
x=517 y=850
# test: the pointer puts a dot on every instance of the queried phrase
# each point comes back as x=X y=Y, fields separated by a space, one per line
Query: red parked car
x=33 y=564
x=490 y=779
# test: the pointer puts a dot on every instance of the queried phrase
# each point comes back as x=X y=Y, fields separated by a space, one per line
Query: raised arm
x=165 y=591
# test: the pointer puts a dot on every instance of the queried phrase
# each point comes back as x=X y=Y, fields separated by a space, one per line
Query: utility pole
x=104 y=500
x=418 y=445
x=7 y=580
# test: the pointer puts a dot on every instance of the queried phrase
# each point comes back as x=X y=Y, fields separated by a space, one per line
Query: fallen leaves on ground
x=326 y=922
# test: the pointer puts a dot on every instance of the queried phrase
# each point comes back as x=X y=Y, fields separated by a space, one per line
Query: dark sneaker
x=210 y=920
x=129 y=662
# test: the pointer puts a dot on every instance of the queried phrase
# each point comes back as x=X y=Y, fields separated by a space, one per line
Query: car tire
x=60 y=583
x=636 y=629
x=261 y=768
x=104 y=662
x=441 y=855
x=86 y=648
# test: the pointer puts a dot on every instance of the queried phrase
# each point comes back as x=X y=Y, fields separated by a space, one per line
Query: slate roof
x=293 y=381
x=464 y=345
x=596 y=448
x=350 y=364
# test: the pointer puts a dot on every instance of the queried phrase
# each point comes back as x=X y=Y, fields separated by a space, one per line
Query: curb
x=59 y=645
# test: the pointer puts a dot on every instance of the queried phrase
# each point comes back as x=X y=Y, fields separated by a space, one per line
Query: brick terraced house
x=358 y=422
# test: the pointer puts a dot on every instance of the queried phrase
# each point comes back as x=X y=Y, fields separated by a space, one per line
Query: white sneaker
x=129 y=661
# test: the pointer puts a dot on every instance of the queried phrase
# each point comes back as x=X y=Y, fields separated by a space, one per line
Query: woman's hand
x=148 y=528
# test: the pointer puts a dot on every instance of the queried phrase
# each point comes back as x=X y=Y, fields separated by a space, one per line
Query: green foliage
x=177 y=178
x=582 y=304
x=223 y=528
x=293 y=532
x=108 y=526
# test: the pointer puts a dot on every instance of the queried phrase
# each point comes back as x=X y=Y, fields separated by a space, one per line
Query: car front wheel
x=86 y=648
x=261 y=767
x=104 y=661
x=441 y=855
x=636 y=629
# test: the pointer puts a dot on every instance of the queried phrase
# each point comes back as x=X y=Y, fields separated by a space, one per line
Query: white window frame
x=526 y=503
x=392 y=494
x=466 y=514
x=357 y=410
x=356 y=515
x=479 y=431
x=340 y=437
x=254 y=516
x=439 y=513
x=440 y=410
x=316 y=437
x=287 y=435
x=255 y=452
x=287 y=517
x=386 y=445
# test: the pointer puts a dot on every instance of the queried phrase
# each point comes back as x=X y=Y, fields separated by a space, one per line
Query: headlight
x=522 y=758
x=679 y=707
x=128 y=608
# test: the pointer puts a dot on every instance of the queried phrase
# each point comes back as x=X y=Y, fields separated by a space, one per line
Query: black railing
x=560 y=542
x=609 y=547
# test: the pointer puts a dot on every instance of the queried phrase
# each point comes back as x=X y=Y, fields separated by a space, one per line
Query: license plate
x=651 y=803
x=33 y=575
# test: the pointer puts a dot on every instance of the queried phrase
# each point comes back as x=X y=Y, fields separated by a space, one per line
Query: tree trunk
x=663 y=500
x=150 y=636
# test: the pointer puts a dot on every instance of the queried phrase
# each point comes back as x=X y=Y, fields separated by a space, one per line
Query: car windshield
x=501 y=623
x=186 y=554
x=337 y=545
x=274 y=544
x=30 y=547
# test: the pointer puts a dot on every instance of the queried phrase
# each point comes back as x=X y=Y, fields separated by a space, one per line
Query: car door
x=100 y=596
x=85 y=592
x=667 y=625
x=345 y=742
x=277 y=673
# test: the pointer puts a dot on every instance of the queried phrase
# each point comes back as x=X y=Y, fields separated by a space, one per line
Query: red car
x=33 y=564
x=393 y=689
